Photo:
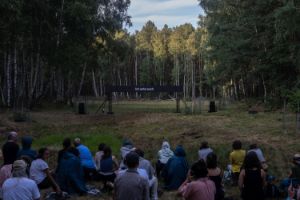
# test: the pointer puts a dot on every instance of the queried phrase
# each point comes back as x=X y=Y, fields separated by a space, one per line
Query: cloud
x=161 y=12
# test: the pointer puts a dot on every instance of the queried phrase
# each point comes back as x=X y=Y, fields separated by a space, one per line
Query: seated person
x=98 y=155
x=86 y=159
x=146 y=165
x=215 y=174
x=26 y=148
x=198 y=185
x=176 y=169
x=40 y=173
x=236 y=158
x=294 y=177
x=108 y=167
x=126 y=148
x=164 y=154
x=204 y=151
x=260 y=155
x=5 y=173
x=70 y=175
x=19 y=186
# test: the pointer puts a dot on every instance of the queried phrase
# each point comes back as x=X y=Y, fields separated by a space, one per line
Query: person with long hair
x=215 y=174
x=40 y=173
x=197 y=185
x=252 y=178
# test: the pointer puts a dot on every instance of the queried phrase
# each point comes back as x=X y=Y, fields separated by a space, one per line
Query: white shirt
x=20 y=189
x=143 y=173
x=202 y=153
x=259 y=154
x=37 y=170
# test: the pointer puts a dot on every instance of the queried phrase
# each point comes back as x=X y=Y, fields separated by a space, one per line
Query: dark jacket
x=176 y=170
x=70 y=176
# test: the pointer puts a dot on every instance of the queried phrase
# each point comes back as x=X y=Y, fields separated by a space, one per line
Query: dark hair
x=74 y=151
x=132 y=160
x=140 y=152
x=41 y=152
x=101 y=147
x=199 y=170
x=211 y=161
x=253 y=146
x=204 y=145
x=66 y=143
x=106 y=152
x=236 y=145
x=251 y=161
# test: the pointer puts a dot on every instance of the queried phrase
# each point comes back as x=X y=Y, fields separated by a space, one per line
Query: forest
x=57 y=50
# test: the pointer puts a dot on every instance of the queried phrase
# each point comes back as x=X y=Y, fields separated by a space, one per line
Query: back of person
x=130 y=185
x=5 y=173
x=37 y=170
x=10 y=151
x=253 y=185
x=219 y=188
x=20 y=189
x=86 y=157
x=237 y=158
x=202 y=189
x=26 y=148
x=107 y=165
x=202 y=153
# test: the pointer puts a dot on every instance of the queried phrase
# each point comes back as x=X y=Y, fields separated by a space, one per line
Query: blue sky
x=161 y=12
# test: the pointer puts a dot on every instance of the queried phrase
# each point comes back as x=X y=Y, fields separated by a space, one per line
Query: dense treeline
x=57 y=50
x=253 y=46
x=48 y=48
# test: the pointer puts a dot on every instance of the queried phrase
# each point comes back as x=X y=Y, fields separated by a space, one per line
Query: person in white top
x=40 y=173
x=204 y=151
x=164 y=154
x=19 y=186
x=260 y=155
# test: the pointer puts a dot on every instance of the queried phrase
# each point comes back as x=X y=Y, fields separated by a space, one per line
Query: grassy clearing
x=148 y=123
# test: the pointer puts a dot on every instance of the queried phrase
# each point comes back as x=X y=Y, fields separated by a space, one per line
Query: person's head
x=106 y=152
x=140 y=152
x=101 y=147
x=179 y=151
x=77 y=142
x=43 y=153
x=253 y=146
x=251 y=161
x=237 y=145
x=211 y=161
x=296 y=159
x=132 y=160
x=67 y=143
x=204 y=145
x=165 y=145
x=12 y=136
x=26 y=142
x=73 y=151
x=19 y=168
x=127 y=143
x=199 y=169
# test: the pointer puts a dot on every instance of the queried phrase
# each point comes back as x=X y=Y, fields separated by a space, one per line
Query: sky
x=161 y=12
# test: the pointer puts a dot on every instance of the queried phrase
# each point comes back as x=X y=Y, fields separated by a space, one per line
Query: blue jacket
x=70 y=177
x=26 y=148
x=176 y=170
x=86 y=157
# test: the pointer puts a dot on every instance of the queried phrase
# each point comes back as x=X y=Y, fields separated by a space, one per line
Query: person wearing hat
x=10 y=149
x=130 y=184
x=19 y=186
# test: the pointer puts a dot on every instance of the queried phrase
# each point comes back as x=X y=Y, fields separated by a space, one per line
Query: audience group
x=25 y=172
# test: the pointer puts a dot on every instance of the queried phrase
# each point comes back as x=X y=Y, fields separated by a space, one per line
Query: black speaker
x=212 y=107
x=81 y=109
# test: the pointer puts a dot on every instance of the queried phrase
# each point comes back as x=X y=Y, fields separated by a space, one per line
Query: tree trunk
x=82 y=79
x=95 y=84
x=8 y=80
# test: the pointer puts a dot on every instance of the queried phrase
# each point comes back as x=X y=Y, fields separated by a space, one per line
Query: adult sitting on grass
x=252 y=179
x=19 y=186
x=146 y=165
x=10 y=149
x=126 y=148
x=215 y=174
x=108 y=167
x=294 y=176
x=176 y=169
x=98 y=155
x=204 y=151
x=236 y=158
x=40 y=173
x=86 y=159
x=131 y=185
x=66 y=146
x=70 y=176
x=26 y=148
x=197 y=186
x=164 y=154
x=260 y=155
